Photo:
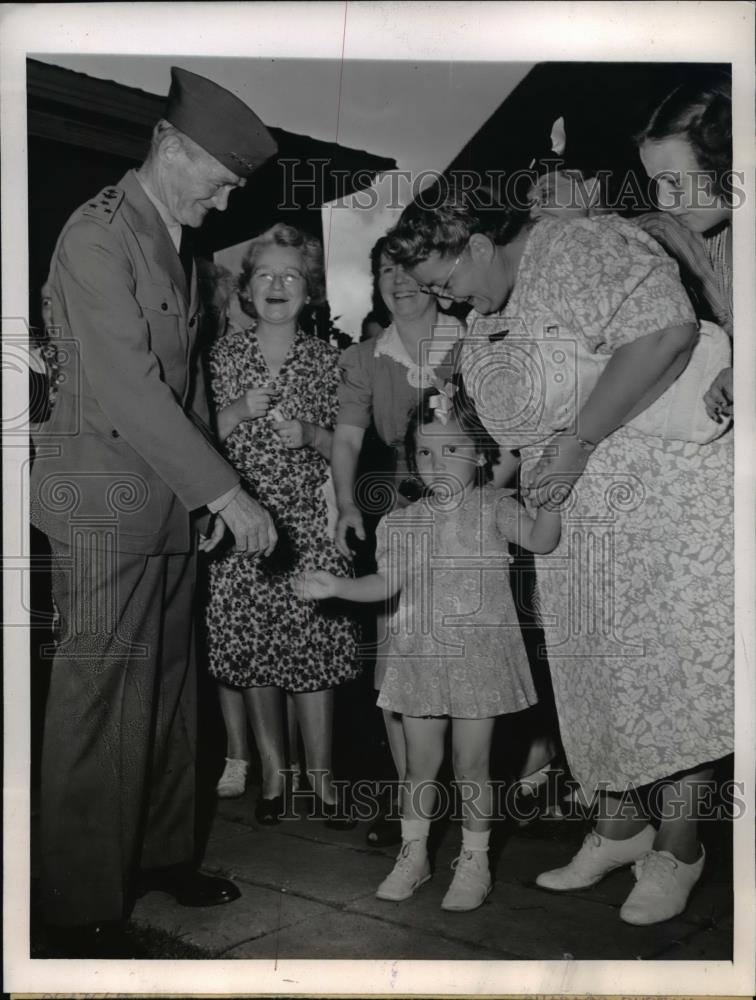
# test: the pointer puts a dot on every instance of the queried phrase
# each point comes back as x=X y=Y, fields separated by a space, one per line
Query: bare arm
x=253 y=404
x=319 y=438
x=541 y=533
x=320 y=585
x=345 y=452
x=635 y=376
x=230 y=417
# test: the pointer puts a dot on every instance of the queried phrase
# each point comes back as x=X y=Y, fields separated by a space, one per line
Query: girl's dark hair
x=699 y=111
x=443 y=219
x=469 y=423
x=379 y=311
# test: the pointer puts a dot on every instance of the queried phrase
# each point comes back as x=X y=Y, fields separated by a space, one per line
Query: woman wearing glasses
x=384 y=379
x=579 y=337
x=274 y=389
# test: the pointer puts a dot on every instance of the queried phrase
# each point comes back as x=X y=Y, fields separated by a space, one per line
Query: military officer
x=126 y=458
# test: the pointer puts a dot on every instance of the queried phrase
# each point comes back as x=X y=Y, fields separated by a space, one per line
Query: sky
x=417 y=112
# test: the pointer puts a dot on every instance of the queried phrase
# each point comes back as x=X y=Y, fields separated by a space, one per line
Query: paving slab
x=711 y=945
x=259 y=912
x=528 y=924
x=347 y=935
x=324 y=872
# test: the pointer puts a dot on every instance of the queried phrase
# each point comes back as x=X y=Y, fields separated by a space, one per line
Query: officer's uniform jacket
x=127 y=447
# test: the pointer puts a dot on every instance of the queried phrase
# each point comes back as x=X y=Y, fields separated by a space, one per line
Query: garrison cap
x=219 y=122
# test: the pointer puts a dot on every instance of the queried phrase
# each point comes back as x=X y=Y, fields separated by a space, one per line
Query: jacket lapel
x=154 y=238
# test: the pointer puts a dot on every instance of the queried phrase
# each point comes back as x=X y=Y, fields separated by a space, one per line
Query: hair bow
x=442 y=404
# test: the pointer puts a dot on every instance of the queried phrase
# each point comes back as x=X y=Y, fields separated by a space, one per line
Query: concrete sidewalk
x=308 y=893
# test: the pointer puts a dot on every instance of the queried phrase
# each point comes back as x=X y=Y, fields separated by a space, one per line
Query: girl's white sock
x=475 y=840
x=415 y=829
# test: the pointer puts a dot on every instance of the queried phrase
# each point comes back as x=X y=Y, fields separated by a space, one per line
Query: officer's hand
x=208 y=542
x=251 y=525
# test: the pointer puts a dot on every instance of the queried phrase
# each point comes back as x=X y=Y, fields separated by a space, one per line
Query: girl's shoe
x=268 y=811
x=411 y=870
x=471 y=883
x=662 y=887
x=233 y=781
x=596 y=858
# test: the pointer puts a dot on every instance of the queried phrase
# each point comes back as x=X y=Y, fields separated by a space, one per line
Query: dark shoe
x=104 y=940
x=337 y=817
x=384 y=831
x=189 y=887
x=528 y=802
x=269 y=811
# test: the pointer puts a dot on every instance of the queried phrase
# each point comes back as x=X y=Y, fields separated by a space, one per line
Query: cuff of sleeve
x=221 y=502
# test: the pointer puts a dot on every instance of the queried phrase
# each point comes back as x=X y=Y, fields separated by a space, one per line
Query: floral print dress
x=259 y=632
x=637 y=600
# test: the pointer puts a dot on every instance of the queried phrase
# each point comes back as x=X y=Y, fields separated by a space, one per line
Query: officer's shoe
x=188 y=886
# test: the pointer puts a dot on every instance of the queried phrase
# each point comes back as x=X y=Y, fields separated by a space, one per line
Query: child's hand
x=293 y=433
x=315 y=585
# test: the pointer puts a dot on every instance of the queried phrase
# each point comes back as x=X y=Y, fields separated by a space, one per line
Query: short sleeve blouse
x=379 y=383
x=584 y=288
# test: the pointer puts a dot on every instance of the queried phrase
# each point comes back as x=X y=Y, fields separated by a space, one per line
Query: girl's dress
x=637 y=600
x=380 y=387
x=259 y=633
x=454 y=645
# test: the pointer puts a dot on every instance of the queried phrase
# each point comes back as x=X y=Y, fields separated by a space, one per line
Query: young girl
x=455 y=647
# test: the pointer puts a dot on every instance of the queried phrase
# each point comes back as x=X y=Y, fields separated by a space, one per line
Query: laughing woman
x=275 y=393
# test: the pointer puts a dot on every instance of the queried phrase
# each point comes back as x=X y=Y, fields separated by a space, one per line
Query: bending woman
x=580 y=334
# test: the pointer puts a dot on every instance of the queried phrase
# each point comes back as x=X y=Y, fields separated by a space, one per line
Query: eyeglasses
x=288 y=278
x=441 y=291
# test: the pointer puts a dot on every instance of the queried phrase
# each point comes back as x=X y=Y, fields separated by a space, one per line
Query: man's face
x=194 y=182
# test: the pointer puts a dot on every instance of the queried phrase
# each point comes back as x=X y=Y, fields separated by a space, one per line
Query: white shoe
x=662 y=887
x=471 y=883
x=596 y=858
x=233 y=781
x=410 y=872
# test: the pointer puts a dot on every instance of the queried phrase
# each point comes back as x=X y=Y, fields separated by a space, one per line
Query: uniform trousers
x=119 y=742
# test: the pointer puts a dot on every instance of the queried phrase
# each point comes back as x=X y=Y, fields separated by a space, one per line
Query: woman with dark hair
x=575 y=354
x=686 y=148
x=275 y=390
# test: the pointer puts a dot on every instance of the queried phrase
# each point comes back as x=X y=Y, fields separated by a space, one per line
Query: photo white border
x=663 y=31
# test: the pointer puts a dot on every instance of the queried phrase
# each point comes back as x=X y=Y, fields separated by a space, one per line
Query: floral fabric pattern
x=637 y=600
x=453 y=644
x=259 y=633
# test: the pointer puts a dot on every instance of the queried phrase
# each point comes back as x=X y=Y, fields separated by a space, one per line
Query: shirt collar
x=173 y=227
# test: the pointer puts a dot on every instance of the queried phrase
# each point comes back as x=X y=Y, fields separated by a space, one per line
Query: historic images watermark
x=562 y=799
x=305 y=181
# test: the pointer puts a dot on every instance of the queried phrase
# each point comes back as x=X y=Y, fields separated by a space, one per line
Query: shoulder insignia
x=105 y=205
